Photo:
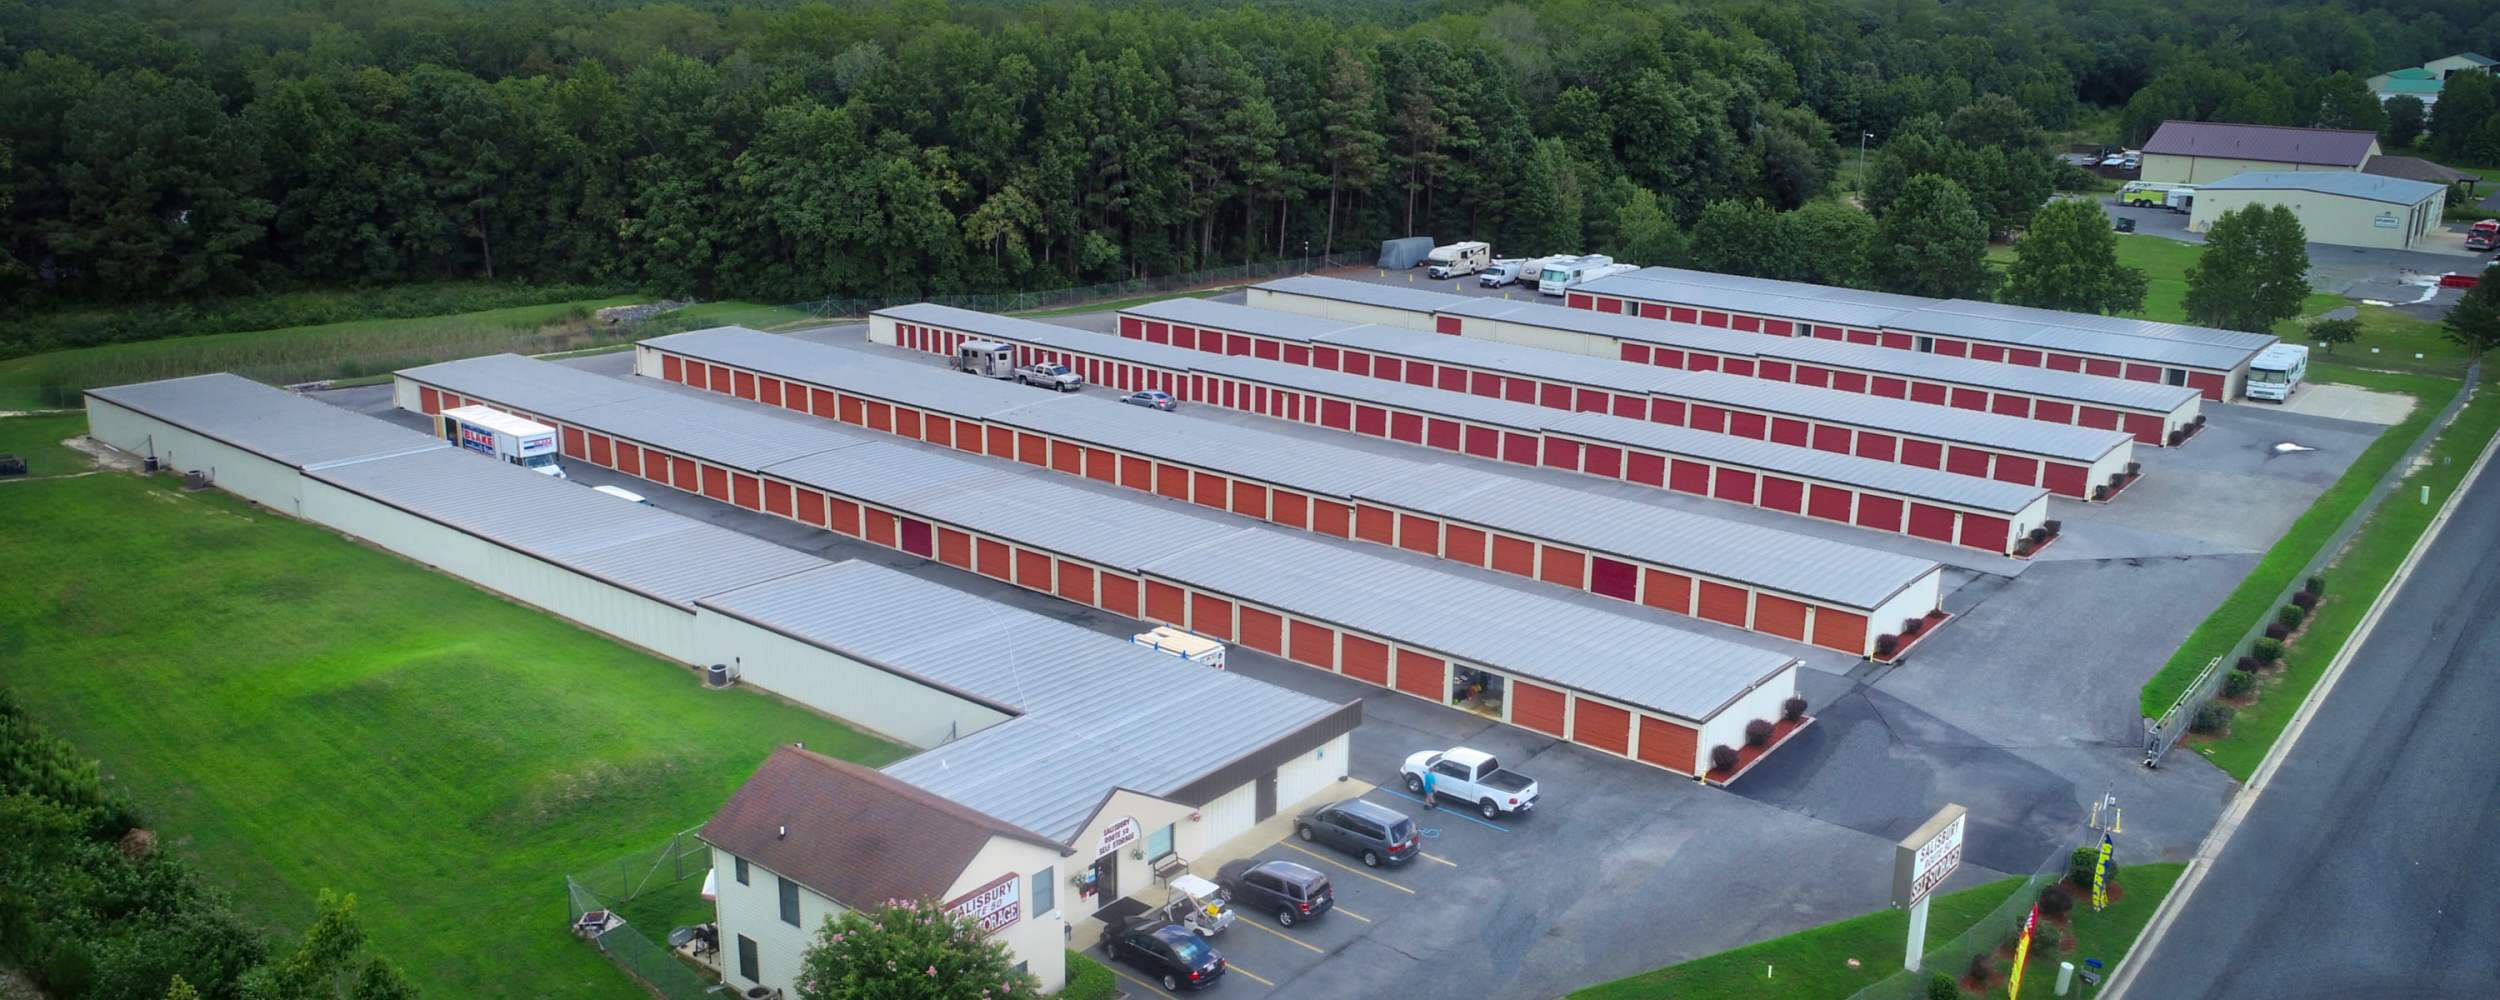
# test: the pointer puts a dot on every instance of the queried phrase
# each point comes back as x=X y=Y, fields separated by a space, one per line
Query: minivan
x=1292 y=893
x=1375 y=833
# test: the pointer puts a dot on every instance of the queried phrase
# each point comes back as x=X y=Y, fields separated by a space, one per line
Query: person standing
x=1429 y=781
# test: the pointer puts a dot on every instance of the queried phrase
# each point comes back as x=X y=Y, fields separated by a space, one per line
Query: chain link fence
x=1952 y=956
x=2163 y=733
x=1009 y=302
x=654 y=891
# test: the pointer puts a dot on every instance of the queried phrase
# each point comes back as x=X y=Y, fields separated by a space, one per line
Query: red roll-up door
x=1876 y=446
x=1562 y=453
x=2067 y=480
x=1820 y=378
x=1601 y=725
x=1645 y=468
x=716 y=483
x=1211 y=490
x=2011 y=405
x=1841 y=630
x=671 y=369
x=1832 y=438
x=1987 y=352
x=1924 y=454
x=1667 y=591
x=1425 y=677
x=1537 y=707
x=1891 y=388
x=1636 y=353
x=1419 y=534
x=1613 y=578
x=1262 y=631
x=2016 y=469
x=1744 y=424
x=1830 y=503
x=1721 y=603
x=1314 y=644
x=628 y=459
x=2063 y=362
x=1519 y=449
x=1980 y=531
x=1786 y=431
x=1291 y=509
x=1364 y=659
x=1689 y=477
x=1407 y=427
x=1734 y=485
x=1567 y=567
x=1783 y=494
x=1927 y=392
x=1668 y=745
x=1706 y=418
x=1249 y=500
x=1879 y=513
x=1463 y=544
x=954 y=548
x=1375 y=525
x=1965 y=461
x=1166 y=603
x=1211 y=615
x=1514 y=556
x=881 y=529
x=2144 y=426
x=776 y=497
x=1780 y=616
x=1931 y=522
x=2053 y=412
x=1329 y=517
x=994 y=559
x=1119 y=595
x=916 y=538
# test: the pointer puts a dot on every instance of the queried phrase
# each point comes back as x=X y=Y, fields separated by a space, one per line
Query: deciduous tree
x=2253 y=271
x=1932 y=242
x=2405 y=117
x=2332 y=332
x=2474 y=322
x=1644 y=234
x=906 y=950
x=2069 y=260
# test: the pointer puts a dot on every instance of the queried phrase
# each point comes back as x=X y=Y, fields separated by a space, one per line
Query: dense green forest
x=890 y=148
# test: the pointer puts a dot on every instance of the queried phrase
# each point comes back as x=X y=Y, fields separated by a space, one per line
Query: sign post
x=1921 y=862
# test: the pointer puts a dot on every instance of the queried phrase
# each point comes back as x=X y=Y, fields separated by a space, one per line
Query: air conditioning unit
x=720 y=675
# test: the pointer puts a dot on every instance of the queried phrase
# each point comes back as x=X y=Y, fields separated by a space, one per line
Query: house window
x=1045 y=892
x=1159 y=843
x=742 y=871
x=747 y=965
x=789 y=902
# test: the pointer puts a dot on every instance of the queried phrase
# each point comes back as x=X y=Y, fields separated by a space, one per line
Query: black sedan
x=1167 y=952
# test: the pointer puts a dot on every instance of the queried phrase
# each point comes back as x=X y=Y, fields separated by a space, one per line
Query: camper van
x=1560 y=275
x=2276 y=371
x=1459 y=260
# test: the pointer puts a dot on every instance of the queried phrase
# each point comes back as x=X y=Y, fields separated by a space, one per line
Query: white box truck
x=1459 y=260
x=494 y=433
x=1184 y=644
x=2276 y=371
x=1560 y=275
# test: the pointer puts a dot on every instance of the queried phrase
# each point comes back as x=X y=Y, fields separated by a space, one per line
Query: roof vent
x=783 y=833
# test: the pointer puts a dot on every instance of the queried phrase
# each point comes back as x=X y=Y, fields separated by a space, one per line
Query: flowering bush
x=909 y=950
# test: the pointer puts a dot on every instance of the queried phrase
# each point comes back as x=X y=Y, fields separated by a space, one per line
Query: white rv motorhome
x=2276 y=371
x=1459 y=259
x=1560 y=275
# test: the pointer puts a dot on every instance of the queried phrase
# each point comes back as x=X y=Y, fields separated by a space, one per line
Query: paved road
x=2366 y=868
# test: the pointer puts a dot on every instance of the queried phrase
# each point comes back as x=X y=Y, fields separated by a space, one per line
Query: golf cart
x=1199 y=905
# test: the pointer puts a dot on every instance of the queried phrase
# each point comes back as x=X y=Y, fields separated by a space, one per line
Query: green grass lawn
x=2390 y=339
x=1813 y=964
x=736 y=313
x=2364 y=567
x=2253 y=599
x=37 y=439
x=300 y=353
x=1129 y=303
x=297 y=712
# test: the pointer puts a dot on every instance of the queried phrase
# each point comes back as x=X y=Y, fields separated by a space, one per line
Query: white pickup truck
x=1463 y=775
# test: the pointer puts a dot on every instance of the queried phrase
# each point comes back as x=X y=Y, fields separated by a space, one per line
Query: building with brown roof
x=2183 y=152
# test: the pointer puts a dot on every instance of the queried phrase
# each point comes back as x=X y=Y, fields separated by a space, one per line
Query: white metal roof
x=664 y=556
x=272 y=423
x=984 y=324
x=494 y=419
x=1621 y=327
x=1810 y=463
x=2044 y=382
x=1956 y=426
x=1236 y=318
x=1406 y=298
x=1457 y=405
x=1095 y=712
x=640 y=412
x=891 y=379
x=1495 y=356
x=1628 y=655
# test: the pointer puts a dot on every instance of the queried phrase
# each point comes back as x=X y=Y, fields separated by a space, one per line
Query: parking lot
x=2022 y=709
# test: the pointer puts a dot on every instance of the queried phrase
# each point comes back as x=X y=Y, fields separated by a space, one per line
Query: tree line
x=151 y=149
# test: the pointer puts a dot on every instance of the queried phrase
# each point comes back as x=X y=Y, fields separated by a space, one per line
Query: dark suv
x=1294 y=893
x=1377 y=834
x=1177 y=957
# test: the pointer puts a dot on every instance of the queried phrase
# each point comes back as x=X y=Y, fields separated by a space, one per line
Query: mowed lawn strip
x=1814 y=964
x=2354 y=580
x=299 y=712
x=2254 y=598
x=37 y=439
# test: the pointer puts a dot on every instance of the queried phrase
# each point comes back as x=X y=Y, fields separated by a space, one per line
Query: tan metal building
x=2204 y=152
x=2355 y=210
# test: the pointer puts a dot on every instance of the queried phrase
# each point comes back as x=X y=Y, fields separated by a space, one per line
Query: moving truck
x=2276 y=371
x=527 y=444
x=1460 y=259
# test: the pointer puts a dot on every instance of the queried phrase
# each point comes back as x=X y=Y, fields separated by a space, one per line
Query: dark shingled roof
x=855 y=834
x=2270 y=143
x=2415 y=168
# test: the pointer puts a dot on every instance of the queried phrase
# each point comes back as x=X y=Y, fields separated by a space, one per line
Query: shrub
x=2291 y=615
x=2053 y=525
x=2022 y=546
x=2055 y=900
x=2079 y=865
x=2039 y=535
x=2305 y=600
x=2238 y=683
x=2100 y=493
x=1723 y=758
x=2248 y=663
x=2048 y=937
x=1912 y=626
x=2200 y=420
x=1982 y=967
x=1793 y=709
x=2134 y=468
x=1886 y=643
x=2211 y=717
x=2267 y=651
x=1089 y=980
x=2177 y=435
x=2277 y=632
x=1758 y=733
x=1943 y=988
x=2317 y=586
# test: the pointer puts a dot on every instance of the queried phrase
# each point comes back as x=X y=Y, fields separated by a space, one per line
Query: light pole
x=1306 y=256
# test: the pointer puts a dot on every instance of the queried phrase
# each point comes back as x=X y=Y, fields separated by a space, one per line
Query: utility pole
x=1862 y=137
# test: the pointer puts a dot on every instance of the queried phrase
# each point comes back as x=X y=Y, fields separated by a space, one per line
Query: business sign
x=477 y=440
x=996 y=906
x=1117 y=835
x=1925 y=858
x=2385 y=220
x=537 y=444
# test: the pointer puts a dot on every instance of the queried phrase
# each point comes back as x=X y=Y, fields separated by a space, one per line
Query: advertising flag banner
x=2100 y=876
x=2022 y=953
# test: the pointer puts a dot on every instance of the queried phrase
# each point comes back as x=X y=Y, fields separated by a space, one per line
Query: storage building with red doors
x=1813 y=590
x=1350 y=302
x=2150 y=413
x=2214 y=362
x=1219 y=328
x=1516 y=433
x=1444 y=633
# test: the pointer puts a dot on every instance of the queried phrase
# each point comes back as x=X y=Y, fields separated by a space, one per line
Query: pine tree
x=1932 y=243
x=2069 y=260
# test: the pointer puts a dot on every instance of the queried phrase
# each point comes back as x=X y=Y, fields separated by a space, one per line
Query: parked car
x=1050 y=375
x=1376 y=834
x=1151 y=400
x=1471 y=776
x=1172 y=954
x=1293 y=893
x=2125 y=224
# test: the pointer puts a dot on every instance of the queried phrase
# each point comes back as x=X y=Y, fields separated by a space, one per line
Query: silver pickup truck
x=1050 y=375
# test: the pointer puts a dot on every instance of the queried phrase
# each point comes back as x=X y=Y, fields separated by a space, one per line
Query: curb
x=2246 y=799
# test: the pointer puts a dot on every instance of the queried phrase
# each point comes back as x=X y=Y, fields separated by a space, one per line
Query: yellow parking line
x=1115 y=970
x=1254 y=977
x=1351 y=868
x=1436 y=857
x=1353 y=914
x=1298 y=942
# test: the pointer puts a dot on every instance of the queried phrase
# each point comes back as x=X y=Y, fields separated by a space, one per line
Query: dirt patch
x=2344 y=402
